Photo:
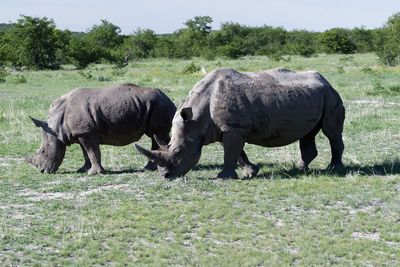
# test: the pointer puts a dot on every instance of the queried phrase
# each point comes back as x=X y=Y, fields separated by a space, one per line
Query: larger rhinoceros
x=117 y=115
x=270 y=108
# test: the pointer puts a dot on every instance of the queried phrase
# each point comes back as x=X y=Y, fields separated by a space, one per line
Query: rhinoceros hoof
x=83 y=169
x=250 y=171
x=302 y=166
x=150 y=166
x=225 y=174
x=337 y=165
x=93 y=171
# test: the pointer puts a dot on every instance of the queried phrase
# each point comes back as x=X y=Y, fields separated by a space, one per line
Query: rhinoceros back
x=270 y=108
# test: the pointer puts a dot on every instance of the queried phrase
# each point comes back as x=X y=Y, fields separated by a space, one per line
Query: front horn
x=154 y=156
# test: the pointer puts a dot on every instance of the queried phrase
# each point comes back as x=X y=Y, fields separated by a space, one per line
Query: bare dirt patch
x=372 y=102
x=6 y=162
x=39 y=196
x=370 y=236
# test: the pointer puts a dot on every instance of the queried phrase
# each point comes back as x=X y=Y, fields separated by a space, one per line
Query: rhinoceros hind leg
x=92 y=148
x=87 y=164
x=308 y=151
x=332 y=127
x=249 y=169
x=337 y=148
x=233 y=146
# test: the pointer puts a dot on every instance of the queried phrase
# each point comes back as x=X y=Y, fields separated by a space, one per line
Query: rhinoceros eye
x=42 y=151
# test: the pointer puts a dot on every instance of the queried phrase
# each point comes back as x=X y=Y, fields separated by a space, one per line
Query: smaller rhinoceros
x=117 y=115
x=270 y=109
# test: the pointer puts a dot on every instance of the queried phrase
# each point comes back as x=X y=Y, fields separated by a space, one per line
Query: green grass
x=131 y=217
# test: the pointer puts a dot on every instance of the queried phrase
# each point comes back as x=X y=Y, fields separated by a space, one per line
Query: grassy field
x=132 y=217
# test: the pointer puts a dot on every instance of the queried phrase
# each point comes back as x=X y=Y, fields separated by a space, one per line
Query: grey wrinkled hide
x=270 y=108
x=117 y=115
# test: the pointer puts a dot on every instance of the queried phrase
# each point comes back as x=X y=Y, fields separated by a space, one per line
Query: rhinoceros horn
x=156 y=156
x=160 y=143
x=29 y=160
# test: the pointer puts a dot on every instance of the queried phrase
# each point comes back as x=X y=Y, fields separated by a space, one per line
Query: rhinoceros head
x=51 y=151
x=183 y=151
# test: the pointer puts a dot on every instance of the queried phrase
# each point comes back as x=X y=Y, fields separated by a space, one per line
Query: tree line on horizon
x=36 y=43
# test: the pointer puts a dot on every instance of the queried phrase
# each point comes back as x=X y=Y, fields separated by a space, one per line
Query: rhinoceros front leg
x=249 y=169
x=150 y=165
x=233 y=146
x=93 y=152
x=87 y=164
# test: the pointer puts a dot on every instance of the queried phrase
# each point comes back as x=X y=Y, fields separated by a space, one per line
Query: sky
x=167 y=16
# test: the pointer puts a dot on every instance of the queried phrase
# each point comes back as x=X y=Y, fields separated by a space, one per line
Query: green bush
x=379 y=89
x=86 y=74
x=31 y=43
x=104 y=78
x=337 y=40
x=82 y=52
x=394 y=88
x=304 y=50
x=340 y=70
x=19 y=78
x=191 y=68
x=388 y=48
x=3 y=75
x=118 y=71
x=367 y=70
x=389 y=54
x=95 y=46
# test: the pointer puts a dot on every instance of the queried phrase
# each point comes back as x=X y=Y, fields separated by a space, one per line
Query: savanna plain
x=133 y=217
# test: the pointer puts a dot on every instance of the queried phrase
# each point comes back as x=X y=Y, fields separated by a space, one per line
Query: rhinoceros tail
x=333 y=114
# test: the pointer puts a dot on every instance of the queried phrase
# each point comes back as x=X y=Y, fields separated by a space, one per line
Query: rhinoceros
x=117 y=115
x=271 y=108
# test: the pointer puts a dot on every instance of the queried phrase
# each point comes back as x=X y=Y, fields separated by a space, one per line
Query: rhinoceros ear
x=187 y=114
x=38 y=123
x=43 y=125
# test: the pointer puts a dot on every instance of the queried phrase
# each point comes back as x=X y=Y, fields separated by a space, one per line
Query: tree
x=230 y=40
x=106 y=35
x=62 y=41
x=200 y=24
x=337 y=40
x=82 y=52
x=165 y=47
x=266 y=40
x=194 y=39
x=363 y=39
x=139 y=45
x=32 y=43
x=144 y=42
x=302 y=42
x=96 y=45
x=388 y=47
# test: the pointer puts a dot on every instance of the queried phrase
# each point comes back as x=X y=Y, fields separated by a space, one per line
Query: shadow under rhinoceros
x=274 y=171
x=108 y=172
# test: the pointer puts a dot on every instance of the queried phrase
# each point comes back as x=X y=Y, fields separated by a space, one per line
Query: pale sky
x=166 y=16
